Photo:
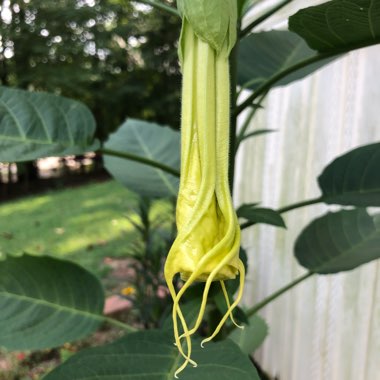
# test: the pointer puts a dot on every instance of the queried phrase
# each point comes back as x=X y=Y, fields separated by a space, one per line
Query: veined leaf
x=353 y=178
x=151 y=141
x=338 y=242
x=252 y=336
x=338 y=24
x=34 y=125
x=265 y=54
x=152 y=355
x=45 y=302
x=332 y=28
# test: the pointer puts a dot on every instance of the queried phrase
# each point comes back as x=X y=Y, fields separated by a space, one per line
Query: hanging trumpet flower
x=207 y=245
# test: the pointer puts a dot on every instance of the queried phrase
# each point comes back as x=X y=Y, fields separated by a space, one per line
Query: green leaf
x=246 y=206
x=252 y=336
x=376 y=220
x=338 y=242
x=263 y=55
x=34 y=125
x=190 y=311
x=333 y=28
x=152 y=355
x=353 y=178
x=339 y=24
x=260 y=215
x=151 y=141
x=45 y=302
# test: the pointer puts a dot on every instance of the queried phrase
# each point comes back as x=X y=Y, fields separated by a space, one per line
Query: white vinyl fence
x=328 y=328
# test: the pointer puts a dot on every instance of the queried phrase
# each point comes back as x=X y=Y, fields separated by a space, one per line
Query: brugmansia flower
x=208 y=241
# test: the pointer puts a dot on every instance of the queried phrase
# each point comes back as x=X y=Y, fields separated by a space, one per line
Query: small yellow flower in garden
x=207 y=245
x=128 y=291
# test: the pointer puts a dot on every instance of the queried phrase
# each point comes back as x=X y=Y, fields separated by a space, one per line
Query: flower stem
x=233 y=62
x=288 y=208
x=300 y=204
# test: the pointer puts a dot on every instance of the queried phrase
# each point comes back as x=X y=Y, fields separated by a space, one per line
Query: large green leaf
x=152 y=355
x=252 y=336
x=151 y=141
x=353 y=178
x=338 y=242
x=45 y=302
x=263 y=55
x=34 y=125
x=339 y=24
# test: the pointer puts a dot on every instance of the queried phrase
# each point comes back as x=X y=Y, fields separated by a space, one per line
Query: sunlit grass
x=84 y=224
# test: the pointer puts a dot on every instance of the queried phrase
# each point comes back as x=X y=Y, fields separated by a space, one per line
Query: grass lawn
x=82 y=224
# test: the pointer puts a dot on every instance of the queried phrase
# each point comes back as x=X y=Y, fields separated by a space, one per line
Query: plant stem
x=300 y=204
x=266 y=86
x=161 y=6
x=233 y=61
x=263 y=17
x=288 y=208
x=142 y=160
x=253 y=310
x=121 y=325
x=247 y=122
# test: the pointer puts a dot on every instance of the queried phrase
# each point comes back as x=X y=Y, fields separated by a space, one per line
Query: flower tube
x=208 y=241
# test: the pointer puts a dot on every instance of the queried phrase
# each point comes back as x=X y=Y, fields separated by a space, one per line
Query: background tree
x=115 y=56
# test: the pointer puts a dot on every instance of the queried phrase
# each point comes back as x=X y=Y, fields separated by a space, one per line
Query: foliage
x=333 y=243
x=251 y=338
x=339 y=25
x=354 y=178
x=148 y=293
x=156 y=143
x=152 y=354
x=350 y=237
x=115 y=58
x=274 y=51
x=37 y=125
x=69 y=301
x=254 y=214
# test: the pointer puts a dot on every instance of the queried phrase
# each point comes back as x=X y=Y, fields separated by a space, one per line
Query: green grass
x=82 y=224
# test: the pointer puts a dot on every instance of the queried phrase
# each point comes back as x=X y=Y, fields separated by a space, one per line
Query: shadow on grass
x=71 y=223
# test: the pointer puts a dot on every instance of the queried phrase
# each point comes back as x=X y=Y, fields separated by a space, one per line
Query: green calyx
x=213 y=21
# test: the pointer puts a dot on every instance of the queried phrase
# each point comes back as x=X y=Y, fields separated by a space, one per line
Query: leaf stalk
x=142 y=160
